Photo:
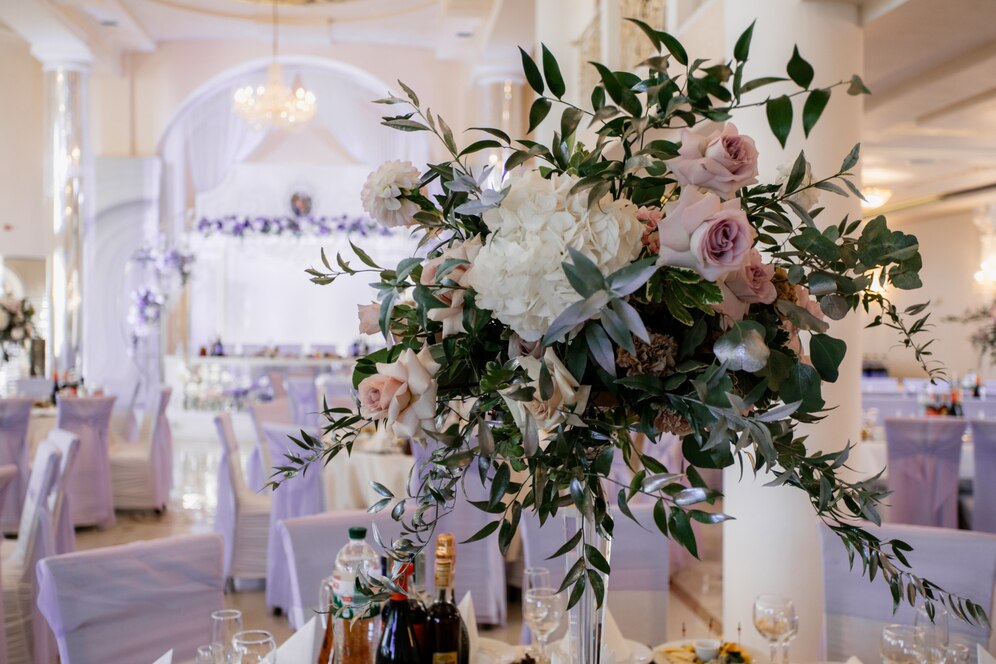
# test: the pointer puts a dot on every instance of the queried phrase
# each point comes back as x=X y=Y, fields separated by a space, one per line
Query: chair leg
x=229 y=585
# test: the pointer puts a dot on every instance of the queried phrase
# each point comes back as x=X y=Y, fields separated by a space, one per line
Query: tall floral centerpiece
x=593 y=294
x=16 y=324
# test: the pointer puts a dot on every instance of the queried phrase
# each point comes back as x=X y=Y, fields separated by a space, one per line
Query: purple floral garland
x=246 y=226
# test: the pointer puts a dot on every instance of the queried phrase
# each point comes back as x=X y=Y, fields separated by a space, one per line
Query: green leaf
x=596 y=559
x=802 y=384
x=779 y=112
x=569 y=121
x=533 y=76
x=851 y=160
x=538 y=112
x=674 y=47
x=742 y=49
x=743 y=347
x=799 y=70
x=480 y=145
x=797 y=173
x=483 y=532
x=363 y=256
x=813 y=109
x=612 y=85
x=647 y=30
x=567 y=546
x=411 y=94
x=499 y=485
x=551 y=71
x=857 y=87
x=760 y=82
x=827 y=353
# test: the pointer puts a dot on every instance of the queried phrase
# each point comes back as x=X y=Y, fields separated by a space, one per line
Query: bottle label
x=444 y=573
x=444 y=658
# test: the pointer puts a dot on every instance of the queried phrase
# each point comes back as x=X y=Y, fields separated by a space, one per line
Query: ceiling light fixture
x=273 y=104
x=875 y=197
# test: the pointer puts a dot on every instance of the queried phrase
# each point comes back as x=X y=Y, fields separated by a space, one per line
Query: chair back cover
x=984 y=482
x=162 y=449
x=923 y=456
x=855 y=611
x=301 y=495
x=7 y=475
x=90 y=490
x=59 y=502
x=336 y=389
x=131 y=603
x=15 y=415
x=303 y=396
x=258 y=468
x=879 y=384
x=276 y=378
x=38 y=388
x=979 y=409
x=231 y=485
x=883 y=406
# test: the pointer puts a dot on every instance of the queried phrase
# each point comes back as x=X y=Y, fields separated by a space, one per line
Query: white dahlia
x=381 y=193
x=518 y=273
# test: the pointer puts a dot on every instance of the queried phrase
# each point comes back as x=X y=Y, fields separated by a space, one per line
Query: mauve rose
x=750 y=284
x=723 y=243
x=369 y=315
x=722 y=161
x=650 y=217
x=809 y=303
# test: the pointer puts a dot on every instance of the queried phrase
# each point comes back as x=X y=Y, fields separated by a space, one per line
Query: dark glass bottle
x=443 y=634
x=417 y=589
x=397 y=642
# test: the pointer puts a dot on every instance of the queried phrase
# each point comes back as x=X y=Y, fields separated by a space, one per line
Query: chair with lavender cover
x=303 y=396
x=336 y=388
x=242 y=517
x=884 y=406
x=59 y=503
x=142 y=472
x=153 y=596
x=301 y=495
x=480 y=567
x=258 y=468
x=667 y=450
x=879 y=384
x=855 y=611
x=311 y=544
x=15 y=414
x=983 y=517
x=38 y=388
x=91 y=499
x=978 y=409
x=923 y=456
x=7 y=476
x=27 y=637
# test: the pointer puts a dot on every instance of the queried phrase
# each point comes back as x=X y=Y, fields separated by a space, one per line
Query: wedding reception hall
x=498 y=331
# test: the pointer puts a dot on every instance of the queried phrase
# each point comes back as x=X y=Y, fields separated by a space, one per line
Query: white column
x=67 y=168
x=773 y=546
x=500 y=94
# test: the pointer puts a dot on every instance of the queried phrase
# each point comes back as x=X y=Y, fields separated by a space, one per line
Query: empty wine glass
x=935 y=631
x=535 y=577
x=776 y=620
x=210 y=654
x=224 y=625
x=957 y=653
x=543 y=609
x=254 y=646
x=902 y=644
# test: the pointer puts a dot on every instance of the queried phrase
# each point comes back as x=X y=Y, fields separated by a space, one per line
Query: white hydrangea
x=807 y=198
x=381 y=193
x=518 y=273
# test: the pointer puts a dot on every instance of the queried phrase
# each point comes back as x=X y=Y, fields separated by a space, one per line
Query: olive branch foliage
x=741 y=389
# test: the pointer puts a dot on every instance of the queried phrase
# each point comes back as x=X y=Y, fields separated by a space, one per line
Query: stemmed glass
x=255 y=646
x=209 y=654
x=935 y=631
x=902 y=644
x=224 y=625
x=543 y=609
x=533 y=578
x=776 y=620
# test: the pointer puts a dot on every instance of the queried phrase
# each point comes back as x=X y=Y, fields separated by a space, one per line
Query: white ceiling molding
x=52 y=39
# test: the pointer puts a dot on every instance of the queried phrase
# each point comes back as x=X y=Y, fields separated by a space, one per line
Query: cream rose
x=722 y=161
x=702 y=233
x=402 y=393
x=567 y=397
x=369 y=315
x=807 y=198
x=454 y=284
x=383 y=191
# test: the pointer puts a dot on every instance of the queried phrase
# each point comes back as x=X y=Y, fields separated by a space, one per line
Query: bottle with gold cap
x=443 y=634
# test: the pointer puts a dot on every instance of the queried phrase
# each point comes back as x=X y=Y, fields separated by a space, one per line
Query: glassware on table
x=935 y=631
x=255 y=646
x=535 y=577
x=209 y=654
x=957 y=653
x=543 y=609
x=224 y=625
x=902 y=644
x=776 y=620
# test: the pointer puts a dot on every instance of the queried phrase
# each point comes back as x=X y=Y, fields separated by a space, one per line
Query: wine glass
x=535 y=577
x=224 y=625
x=935 y=630
x=957 y=653
x=210 y=654
x=543 y=610
x=776 y=620
x=254 y=646
x=902 y=644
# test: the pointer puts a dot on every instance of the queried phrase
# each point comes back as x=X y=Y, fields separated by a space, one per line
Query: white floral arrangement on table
x=648 y=283
x=17 y=326
x=167 y=269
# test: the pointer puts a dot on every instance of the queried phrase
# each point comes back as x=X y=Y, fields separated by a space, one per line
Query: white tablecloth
x=347 y=478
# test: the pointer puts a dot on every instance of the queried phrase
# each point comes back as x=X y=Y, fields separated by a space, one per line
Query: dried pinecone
x=786 y=291
x=654 y=359
x=670 y=421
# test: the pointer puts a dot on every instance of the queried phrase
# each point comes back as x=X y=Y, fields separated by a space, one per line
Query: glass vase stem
x=586 y=619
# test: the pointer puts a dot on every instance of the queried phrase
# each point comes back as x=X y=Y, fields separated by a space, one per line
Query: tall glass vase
x=586 y=619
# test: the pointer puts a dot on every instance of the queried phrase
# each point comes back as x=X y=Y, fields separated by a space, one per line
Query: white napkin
x=165 y=659
x=303 y=645
x=466 y=609
x=984 y=656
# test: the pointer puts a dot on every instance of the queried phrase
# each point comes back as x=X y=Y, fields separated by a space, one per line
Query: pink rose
x=722 y=162
x=650 y=217
x=809 y=303
x=450 y=290
x=749 y=285
x=369 y=315
x=702 y=233
x=402 y=393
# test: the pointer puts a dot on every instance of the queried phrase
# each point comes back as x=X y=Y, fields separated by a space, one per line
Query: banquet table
x=348 y=478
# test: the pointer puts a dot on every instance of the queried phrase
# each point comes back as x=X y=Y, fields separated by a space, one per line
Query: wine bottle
x=397 y=642
x=417 y=592
x=443 y=636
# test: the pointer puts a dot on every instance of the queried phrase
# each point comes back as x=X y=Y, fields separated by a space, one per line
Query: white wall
x=23 y=231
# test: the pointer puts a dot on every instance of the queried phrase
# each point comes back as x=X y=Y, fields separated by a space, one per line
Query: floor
x=696 y=595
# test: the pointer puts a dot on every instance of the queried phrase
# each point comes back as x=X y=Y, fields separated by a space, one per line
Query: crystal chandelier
x=274 y=104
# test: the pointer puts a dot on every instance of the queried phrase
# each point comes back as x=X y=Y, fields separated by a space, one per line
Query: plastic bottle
x=355 y=642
